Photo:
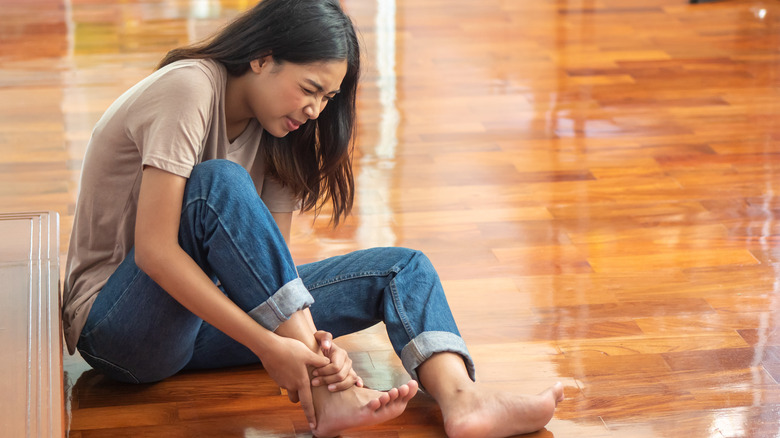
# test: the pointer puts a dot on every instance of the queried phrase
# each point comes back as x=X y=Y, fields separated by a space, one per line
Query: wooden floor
x=595 y=180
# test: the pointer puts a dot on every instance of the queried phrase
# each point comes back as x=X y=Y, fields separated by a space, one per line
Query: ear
x=259 y=64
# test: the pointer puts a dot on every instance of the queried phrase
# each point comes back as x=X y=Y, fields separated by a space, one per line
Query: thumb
x=316 y=360
x=325 y=340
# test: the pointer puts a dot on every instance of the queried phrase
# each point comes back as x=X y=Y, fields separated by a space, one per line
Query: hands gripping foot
x=332 y=397
x=356 y=407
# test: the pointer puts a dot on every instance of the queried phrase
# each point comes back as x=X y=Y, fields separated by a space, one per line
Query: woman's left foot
x=484 y=413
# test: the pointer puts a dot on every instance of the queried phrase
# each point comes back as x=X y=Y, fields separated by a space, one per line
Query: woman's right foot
x=356 y=407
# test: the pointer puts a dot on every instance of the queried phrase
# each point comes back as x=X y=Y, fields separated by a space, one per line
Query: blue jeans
x=136 y=332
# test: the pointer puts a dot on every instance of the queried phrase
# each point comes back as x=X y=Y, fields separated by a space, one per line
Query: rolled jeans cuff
x=421 y=348
x=277 y=309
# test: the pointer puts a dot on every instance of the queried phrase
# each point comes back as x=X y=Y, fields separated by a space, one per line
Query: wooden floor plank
x=594 y=181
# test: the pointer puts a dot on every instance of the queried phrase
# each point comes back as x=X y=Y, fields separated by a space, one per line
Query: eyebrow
x=319 y=87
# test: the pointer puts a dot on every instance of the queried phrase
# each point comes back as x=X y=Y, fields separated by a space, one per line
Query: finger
x=316 y=360
x=325 y=340
x=324 y=370
x=321 y=335
x=335 y=371
x=342 y=385
x=329 y=370
x=304 y=394
x=339 y=362
x=351 y=380
x=344 y=379
x=340 y=358
x=340 y=376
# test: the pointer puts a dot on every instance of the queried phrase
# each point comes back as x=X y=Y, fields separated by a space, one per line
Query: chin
x=278 y=133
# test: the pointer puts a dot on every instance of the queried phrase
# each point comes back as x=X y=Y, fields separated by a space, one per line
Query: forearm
x=176 y=272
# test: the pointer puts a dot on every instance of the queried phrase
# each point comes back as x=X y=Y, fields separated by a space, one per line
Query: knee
x=424 y=262
x=219 y=177
x=212 y=170
x=414 y=258
x=415 y=273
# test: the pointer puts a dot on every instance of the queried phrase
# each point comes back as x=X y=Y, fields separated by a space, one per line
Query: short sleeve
x=170 y=118
x=278 y=198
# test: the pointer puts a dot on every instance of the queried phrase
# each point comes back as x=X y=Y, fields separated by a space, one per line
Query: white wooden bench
x=31 y=373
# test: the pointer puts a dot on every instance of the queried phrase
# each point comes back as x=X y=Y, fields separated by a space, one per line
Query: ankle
x=453 y=399
x=444 y=375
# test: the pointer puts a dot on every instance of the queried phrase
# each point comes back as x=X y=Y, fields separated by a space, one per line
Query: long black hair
x=316 y=160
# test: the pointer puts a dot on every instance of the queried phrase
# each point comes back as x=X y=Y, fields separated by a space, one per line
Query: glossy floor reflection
x=595 y=181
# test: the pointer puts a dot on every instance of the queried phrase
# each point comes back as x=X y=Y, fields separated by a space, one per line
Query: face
x=283 y=96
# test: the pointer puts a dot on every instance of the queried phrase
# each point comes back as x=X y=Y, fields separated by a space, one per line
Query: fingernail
x=315 y=382
x=314 y=373
x=311 y=426
x=331 y=387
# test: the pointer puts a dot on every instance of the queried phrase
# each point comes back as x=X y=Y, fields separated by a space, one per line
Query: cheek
x=275 y=101
x=262 y=101
x=290 y=101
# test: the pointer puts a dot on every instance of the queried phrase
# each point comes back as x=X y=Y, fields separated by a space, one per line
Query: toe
x=374 y=404
x=393 y=393
x=384 y=398
x=412 y=385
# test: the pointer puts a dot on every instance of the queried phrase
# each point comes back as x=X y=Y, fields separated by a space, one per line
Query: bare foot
x=484 y=413
x=355 y=407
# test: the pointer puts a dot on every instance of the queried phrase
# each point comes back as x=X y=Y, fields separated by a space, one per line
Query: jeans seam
x=234 y=248
x=111 y=311
x=400 y=311
x=352 y=276
x=397 y=300
x=110 y=364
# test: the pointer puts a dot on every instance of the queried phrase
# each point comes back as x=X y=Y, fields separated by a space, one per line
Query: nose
x=311 y=111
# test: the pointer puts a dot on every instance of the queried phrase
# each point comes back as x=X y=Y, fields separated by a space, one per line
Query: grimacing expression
x=283 y=96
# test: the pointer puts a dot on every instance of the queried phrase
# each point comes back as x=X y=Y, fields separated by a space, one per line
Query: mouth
x=292 y=124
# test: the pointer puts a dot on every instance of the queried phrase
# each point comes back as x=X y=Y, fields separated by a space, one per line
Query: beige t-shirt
x=172 y=120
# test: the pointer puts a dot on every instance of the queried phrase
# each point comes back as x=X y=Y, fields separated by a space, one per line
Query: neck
x=237 y=115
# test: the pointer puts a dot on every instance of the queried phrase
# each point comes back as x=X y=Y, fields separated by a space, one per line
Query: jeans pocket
x=108 y=368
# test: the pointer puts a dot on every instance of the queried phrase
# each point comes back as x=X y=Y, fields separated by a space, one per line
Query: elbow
x=148 y=258
x=141 y=258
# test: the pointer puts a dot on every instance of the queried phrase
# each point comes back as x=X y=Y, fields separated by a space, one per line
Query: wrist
x=264 y=343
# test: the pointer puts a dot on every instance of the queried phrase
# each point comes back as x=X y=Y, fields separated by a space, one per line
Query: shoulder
x=190 y=77
x=188 y=84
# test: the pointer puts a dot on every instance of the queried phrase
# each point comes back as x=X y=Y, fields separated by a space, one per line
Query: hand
x=338 y=374
x=286 y=362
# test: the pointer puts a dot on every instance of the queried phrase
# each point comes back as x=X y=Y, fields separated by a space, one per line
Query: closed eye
x=314 y=92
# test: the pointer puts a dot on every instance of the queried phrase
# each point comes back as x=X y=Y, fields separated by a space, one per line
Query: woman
x=178 y=257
